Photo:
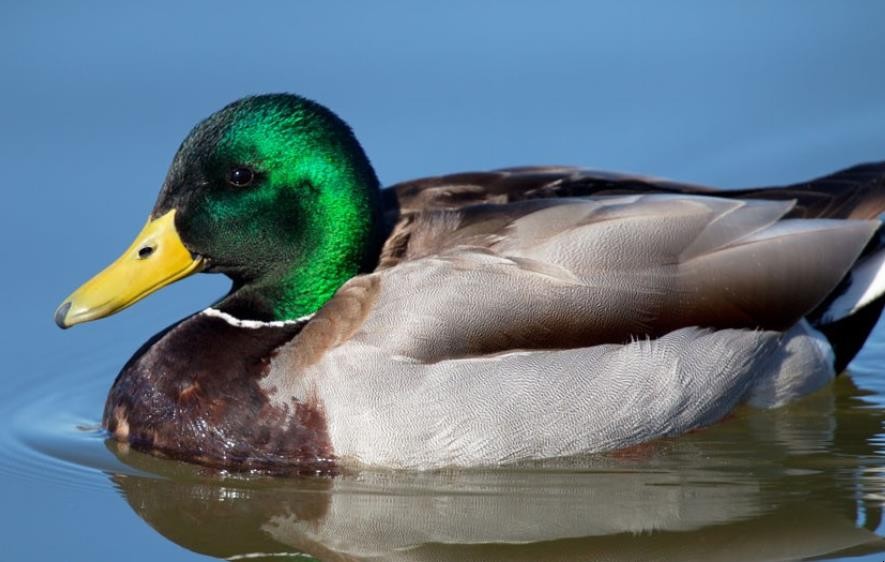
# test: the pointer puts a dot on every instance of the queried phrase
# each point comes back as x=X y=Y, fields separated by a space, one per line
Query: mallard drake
x=470 y=319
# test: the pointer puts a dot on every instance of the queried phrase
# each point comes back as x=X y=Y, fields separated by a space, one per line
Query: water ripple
x=54 y=436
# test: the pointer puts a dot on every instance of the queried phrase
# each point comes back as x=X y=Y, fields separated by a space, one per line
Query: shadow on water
x=804 y=481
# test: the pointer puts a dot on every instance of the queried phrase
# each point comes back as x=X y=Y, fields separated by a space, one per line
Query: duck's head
x=275 y=192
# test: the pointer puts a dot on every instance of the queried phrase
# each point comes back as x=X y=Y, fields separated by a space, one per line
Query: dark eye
x=241 y=176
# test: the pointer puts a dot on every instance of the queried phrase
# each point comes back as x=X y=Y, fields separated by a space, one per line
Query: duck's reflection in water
x=779 y=485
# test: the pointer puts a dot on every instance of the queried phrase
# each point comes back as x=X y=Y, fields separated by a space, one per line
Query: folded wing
x=579 y=272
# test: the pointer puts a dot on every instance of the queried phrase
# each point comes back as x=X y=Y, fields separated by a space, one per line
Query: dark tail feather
x=848 y=335
x=854 y=193
x=851 y=311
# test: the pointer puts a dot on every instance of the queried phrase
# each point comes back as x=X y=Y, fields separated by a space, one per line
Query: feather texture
x=528 y=405
x=589 y=271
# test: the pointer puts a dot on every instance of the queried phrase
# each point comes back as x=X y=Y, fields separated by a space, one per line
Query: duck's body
x=503 y=316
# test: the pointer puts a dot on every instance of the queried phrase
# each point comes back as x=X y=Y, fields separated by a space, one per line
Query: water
x=96 y=98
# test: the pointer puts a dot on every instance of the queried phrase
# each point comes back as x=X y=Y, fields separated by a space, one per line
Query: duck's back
x=480 y=209
x=857 y=192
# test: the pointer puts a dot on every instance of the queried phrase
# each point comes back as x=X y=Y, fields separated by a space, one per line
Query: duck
x=472 y=319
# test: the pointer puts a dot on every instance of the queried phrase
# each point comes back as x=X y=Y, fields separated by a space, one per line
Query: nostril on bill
x=145 y=252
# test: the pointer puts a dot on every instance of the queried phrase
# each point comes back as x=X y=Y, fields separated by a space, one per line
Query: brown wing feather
x=856 y=192
x=517 y=184
x=412 y=207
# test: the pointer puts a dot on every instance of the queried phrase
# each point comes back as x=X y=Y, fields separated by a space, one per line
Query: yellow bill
x=155 y=259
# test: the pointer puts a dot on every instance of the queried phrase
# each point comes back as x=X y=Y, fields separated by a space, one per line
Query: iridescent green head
x=274 y=191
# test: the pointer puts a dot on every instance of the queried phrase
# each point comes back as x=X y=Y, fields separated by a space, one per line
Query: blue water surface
x=96 y=96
